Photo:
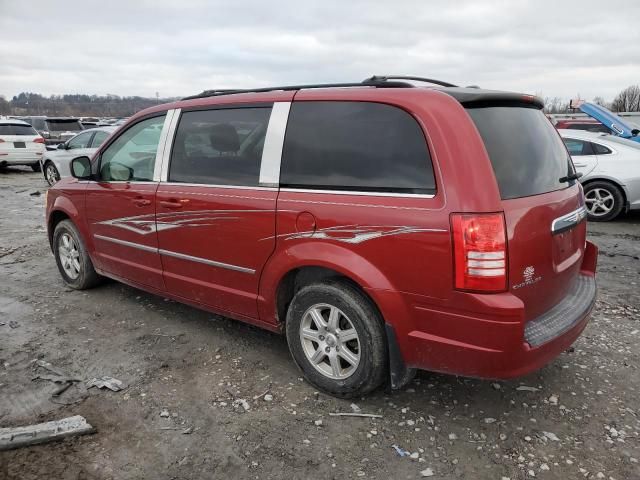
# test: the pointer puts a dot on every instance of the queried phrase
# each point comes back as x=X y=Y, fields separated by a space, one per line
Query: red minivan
x=384 y=227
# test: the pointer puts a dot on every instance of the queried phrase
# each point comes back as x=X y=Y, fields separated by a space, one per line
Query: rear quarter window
x=355 y=146
x=526 y=152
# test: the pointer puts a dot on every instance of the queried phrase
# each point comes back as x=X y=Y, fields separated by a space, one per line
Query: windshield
x=526 y=152
x=17 y=129
x=64 y=125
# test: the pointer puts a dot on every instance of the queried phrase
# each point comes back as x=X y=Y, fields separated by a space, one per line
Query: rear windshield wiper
x=571 y=176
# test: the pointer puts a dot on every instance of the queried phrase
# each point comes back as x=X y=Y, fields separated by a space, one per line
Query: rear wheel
x=604 y=201
x=337 y=339
x=51 y=174
x=72 y=258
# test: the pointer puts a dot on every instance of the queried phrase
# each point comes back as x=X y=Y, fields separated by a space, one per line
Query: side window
x=600 y=149
x=219 y=147
x=577 y=148
x=98 y=139
x=132 y=155
x=357 y=146
x=79 y=141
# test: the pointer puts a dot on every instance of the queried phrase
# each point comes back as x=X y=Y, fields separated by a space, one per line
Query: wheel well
x=298 y=278
x=54 y=219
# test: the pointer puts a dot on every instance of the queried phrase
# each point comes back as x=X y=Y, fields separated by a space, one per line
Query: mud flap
x=399 y=374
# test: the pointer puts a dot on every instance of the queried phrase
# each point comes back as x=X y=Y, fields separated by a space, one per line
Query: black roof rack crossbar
x=385 y=78
x=367 y=83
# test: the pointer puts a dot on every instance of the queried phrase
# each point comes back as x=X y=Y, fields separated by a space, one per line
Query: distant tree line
x=628 y=100
x=28 y=103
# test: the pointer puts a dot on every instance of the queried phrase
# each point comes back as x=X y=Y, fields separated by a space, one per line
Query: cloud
x=179 y=48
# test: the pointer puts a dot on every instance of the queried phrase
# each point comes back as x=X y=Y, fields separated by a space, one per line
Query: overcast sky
x=179 y=47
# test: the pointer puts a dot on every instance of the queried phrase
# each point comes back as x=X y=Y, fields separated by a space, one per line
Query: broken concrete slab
x=111 y=383
x=17 y=437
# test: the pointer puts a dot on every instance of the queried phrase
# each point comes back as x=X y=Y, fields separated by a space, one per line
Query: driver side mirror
x=635 y=132
x=81 y=168
x=62 y=146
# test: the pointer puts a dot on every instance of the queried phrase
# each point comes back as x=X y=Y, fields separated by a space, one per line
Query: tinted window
x=64 y=125
x=79 y=141
x=219 y=147
x=600 y=149
x=132 y=155
x=526 y=152
x=17 y=130
x=358 y=146
x=98 y=139
x=578 y=147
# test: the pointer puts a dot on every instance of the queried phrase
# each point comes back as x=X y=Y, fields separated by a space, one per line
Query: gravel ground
x=195 y=403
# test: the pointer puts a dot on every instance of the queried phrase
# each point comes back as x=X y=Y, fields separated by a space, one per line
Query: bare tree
x=555 y=105
x=627 y=100
x=600 y=101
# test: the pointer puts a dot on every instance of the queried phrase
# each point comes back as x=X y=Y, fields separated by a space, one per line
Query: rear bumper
x=20 y=158
x=503 y=346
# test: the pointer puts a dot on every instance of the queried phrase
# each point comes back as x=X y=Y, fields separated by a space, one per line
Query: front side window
x=132 y=155
x=98 y=139
x=219 y=147
x=355 y=146
x=79 y=141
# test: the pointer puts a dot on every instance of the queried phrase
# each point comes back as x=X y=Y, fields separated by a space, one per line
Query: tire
x=36 y=167
x=604 y=201
x=77 y=270
x=355 y=315
x=51 y=174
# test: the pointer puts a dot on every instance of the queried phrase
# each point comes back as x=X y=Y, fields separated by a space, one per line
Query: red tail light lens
x=39 y=140
x=480 y=252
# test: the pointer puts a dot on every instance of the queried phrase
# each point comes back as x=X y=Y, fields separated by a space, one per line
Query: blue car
x=620 y=127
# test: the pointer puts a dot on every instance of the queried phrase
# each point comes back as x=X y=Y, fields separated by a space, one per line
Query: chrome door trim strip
x=273 y=143
x=209 y=185
x=139 y=246
x=358 y=193
x=568 y=221
x=181 y=256
x=205 y=261
x=168 y=146
x=157 y=168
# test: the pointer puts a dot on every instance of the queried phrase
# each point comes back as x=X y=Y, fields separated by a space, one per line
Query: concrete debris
x=427 y=472
x=551 y=436
x=111 y=383
x=17 y=437
x=164 y=413
x=241 y=402
x=524 y=388
x=268 y=397
x=400 y=451
x=355 y=408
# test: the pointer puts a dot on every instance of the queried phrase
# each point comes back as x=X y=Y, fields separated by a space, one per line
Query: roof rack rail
x=383 y=83
x=385 y=78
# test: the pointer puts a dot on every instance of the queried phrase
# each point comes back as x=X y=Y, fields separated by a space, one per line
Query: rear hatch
x=62 y=129
x=18 y=138
x=610 y=120
x=543 y=206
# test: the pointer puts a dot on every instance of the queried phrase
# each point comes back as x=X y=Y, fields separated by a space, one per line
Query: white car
x=55 y=163
x=20 y=144
x=610 y=167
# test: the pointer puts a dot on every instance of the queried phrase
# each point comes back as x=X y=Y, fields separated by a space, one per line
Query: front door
x=121 y=204
x=215 y=221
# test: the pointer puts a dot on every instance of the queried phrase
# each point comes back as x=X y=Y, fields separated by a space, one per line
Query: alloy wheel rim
x=330 y=341
x=51 y=175
x=599 y=201
x=69 y=256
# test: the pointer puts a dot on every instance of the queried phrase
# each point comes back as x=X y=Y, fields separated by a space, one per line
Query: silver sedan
x=610 y=168
x=55 y=163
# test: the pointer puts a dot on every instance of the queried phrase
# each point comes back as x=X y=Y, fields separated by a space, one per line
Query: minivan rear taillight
x=480 y=251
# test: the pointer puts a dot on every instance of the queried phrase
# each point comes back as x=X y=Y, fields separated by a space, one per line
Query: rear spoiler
x=477 y=98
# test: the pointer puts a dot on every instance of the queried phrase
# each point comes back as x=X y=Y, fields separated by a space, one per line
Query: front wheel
x=51 y=174
x=72 y=258
x=604 y=201
x=336 y=337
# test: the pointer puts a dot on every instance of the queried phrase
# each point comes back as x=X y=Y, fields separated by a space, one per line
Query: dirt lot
x=187 y=370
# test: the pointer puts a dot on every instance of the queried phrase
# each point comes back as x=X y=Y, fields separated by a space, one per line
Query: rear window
x=526 y=152
x=64 y=125
x=355 y=146
x=11 y=129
